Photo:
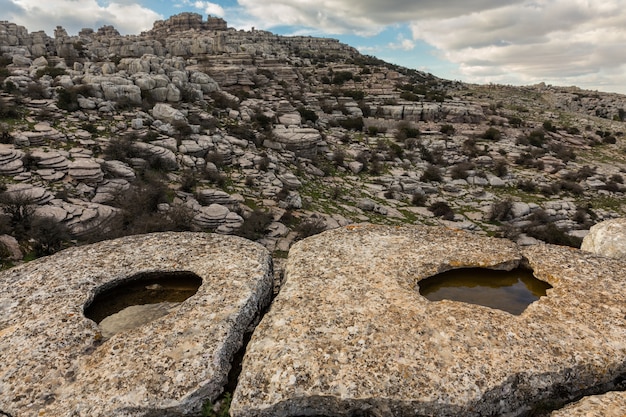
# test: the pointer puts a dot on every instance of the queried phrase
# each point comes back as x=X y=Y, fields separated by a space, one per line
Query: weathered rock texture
x=607 y=238
x=349 y=333
x=56 y=363
x=612 y=404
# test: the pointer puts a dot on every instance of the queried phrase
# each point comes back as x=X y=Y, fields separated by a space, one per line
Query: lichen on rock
x=349 y=332
x=55 y=361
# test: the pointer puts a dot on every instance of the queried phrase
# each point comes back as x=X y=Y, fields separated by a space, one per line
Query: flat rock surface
x=349 y=333
x=612 y=404
x=55 y=361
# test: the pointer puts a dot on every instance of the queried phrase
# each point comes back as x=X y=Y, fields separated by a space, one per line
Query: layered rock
x=218 y=218
x=350 y=334
x=186 y=21
x=302 y=141
x=56 y=360
x=85 y=170
x=10 y=160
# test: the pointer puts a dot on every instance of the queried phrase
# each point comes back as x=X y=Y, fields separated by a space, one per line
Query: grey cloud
x=360 y=16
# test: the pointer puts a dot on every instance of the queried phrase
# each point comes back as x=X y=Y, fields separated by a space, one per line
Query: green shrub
x=431 y=173
x=501 y=168
x=310 y=227
x=442 y=209
x=515 y=121
x=550 y=233
x=51 y=71
x=536 y=138
x=409 y=96
x=447 y=129
x=501 y=210
x=418 y=199
x=352 y=123
x=307 y=114
x=340 y=77
x=492 y=134
x=67 y=98
x=459 y=171
x=548 y=126
x=355 y=94
x=255 y=225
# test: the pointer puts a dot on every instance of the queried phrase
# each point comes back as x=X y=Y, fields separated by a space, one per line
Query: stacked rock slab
x=56 y=363
x=349 y=333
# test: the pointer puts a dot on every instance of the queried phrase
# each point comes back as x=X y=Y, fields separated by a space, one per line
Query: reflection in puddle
x=140 y=300
x=510 y=291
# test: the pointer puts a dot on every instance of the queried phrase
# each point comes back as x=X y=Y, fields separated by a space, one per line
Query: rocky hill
x=196 y=126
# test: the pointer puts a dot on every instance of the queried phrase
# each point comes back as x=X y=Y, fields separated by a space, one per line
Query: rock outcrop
x=349 y=334
x=56 y=362
x=607 y=238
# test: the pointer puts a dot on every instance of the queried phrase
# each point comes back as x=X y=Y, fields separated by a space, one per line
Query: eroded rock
x=607 y=238
x=55 y=360
x=349 y=333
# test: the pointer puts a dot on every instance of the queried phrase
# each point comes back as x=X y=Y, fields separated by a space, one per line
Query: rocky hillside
x=196 y=126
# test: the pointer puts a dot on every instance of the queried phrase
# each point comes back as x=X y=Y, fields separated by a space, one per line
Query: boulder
x=302 y=141
x=113 y=92
x=10 y=160
x=607 y=238
x=10 y=248
x=349 y=333
x=166 y=158
x=85 y=170
x=167 y=113
x=55 y=360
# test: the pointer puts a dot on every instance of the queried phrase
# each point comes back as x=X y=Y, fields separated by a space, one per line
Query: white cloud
x=402 y=44
x=74 y=15
x=206 y=7
x=563 y=42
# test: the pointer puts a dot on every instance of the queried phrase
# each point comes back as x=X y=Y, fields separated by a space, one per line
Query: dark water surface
x=510 y=291
x=147 y=288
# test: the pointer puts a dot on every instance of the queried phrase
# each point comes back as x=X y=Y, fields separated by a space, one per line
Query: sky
x=517 y=42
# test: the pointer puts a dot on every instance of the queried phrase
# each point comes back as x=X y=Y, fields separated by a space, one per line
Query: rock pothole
x=55 y=360
x=140 y=299
x=511 y=291
x=349 y=334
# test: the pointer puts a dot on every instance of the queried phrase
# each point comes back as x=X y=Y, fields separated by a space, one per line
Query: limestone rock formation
x=607 y=238
x=302 y=141
x=349 y=333
x=55 y=360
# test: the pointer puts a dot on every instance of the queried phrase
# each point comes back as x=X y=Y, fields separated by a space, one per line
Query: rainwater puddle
x=140 y=300
x=510 y=291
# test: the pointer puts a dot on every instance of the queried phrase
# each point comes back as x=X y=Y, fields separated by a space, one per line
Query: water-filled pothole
x=141 y=299
x=510 y=291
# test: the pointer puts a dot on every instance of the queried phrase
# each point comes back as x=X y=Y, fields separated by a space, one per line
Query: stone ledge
x=55 y=362
x=611 y=404
x=349 y=333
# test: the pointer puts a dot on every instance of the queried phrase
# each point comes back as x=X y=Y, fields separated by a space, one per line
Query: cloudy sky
x=560 y=42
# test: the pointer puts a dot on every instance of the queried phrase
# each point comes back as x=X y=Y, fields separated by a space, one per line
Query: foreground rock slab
x=612 y=404
x=55 y=361
x=349 y=334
